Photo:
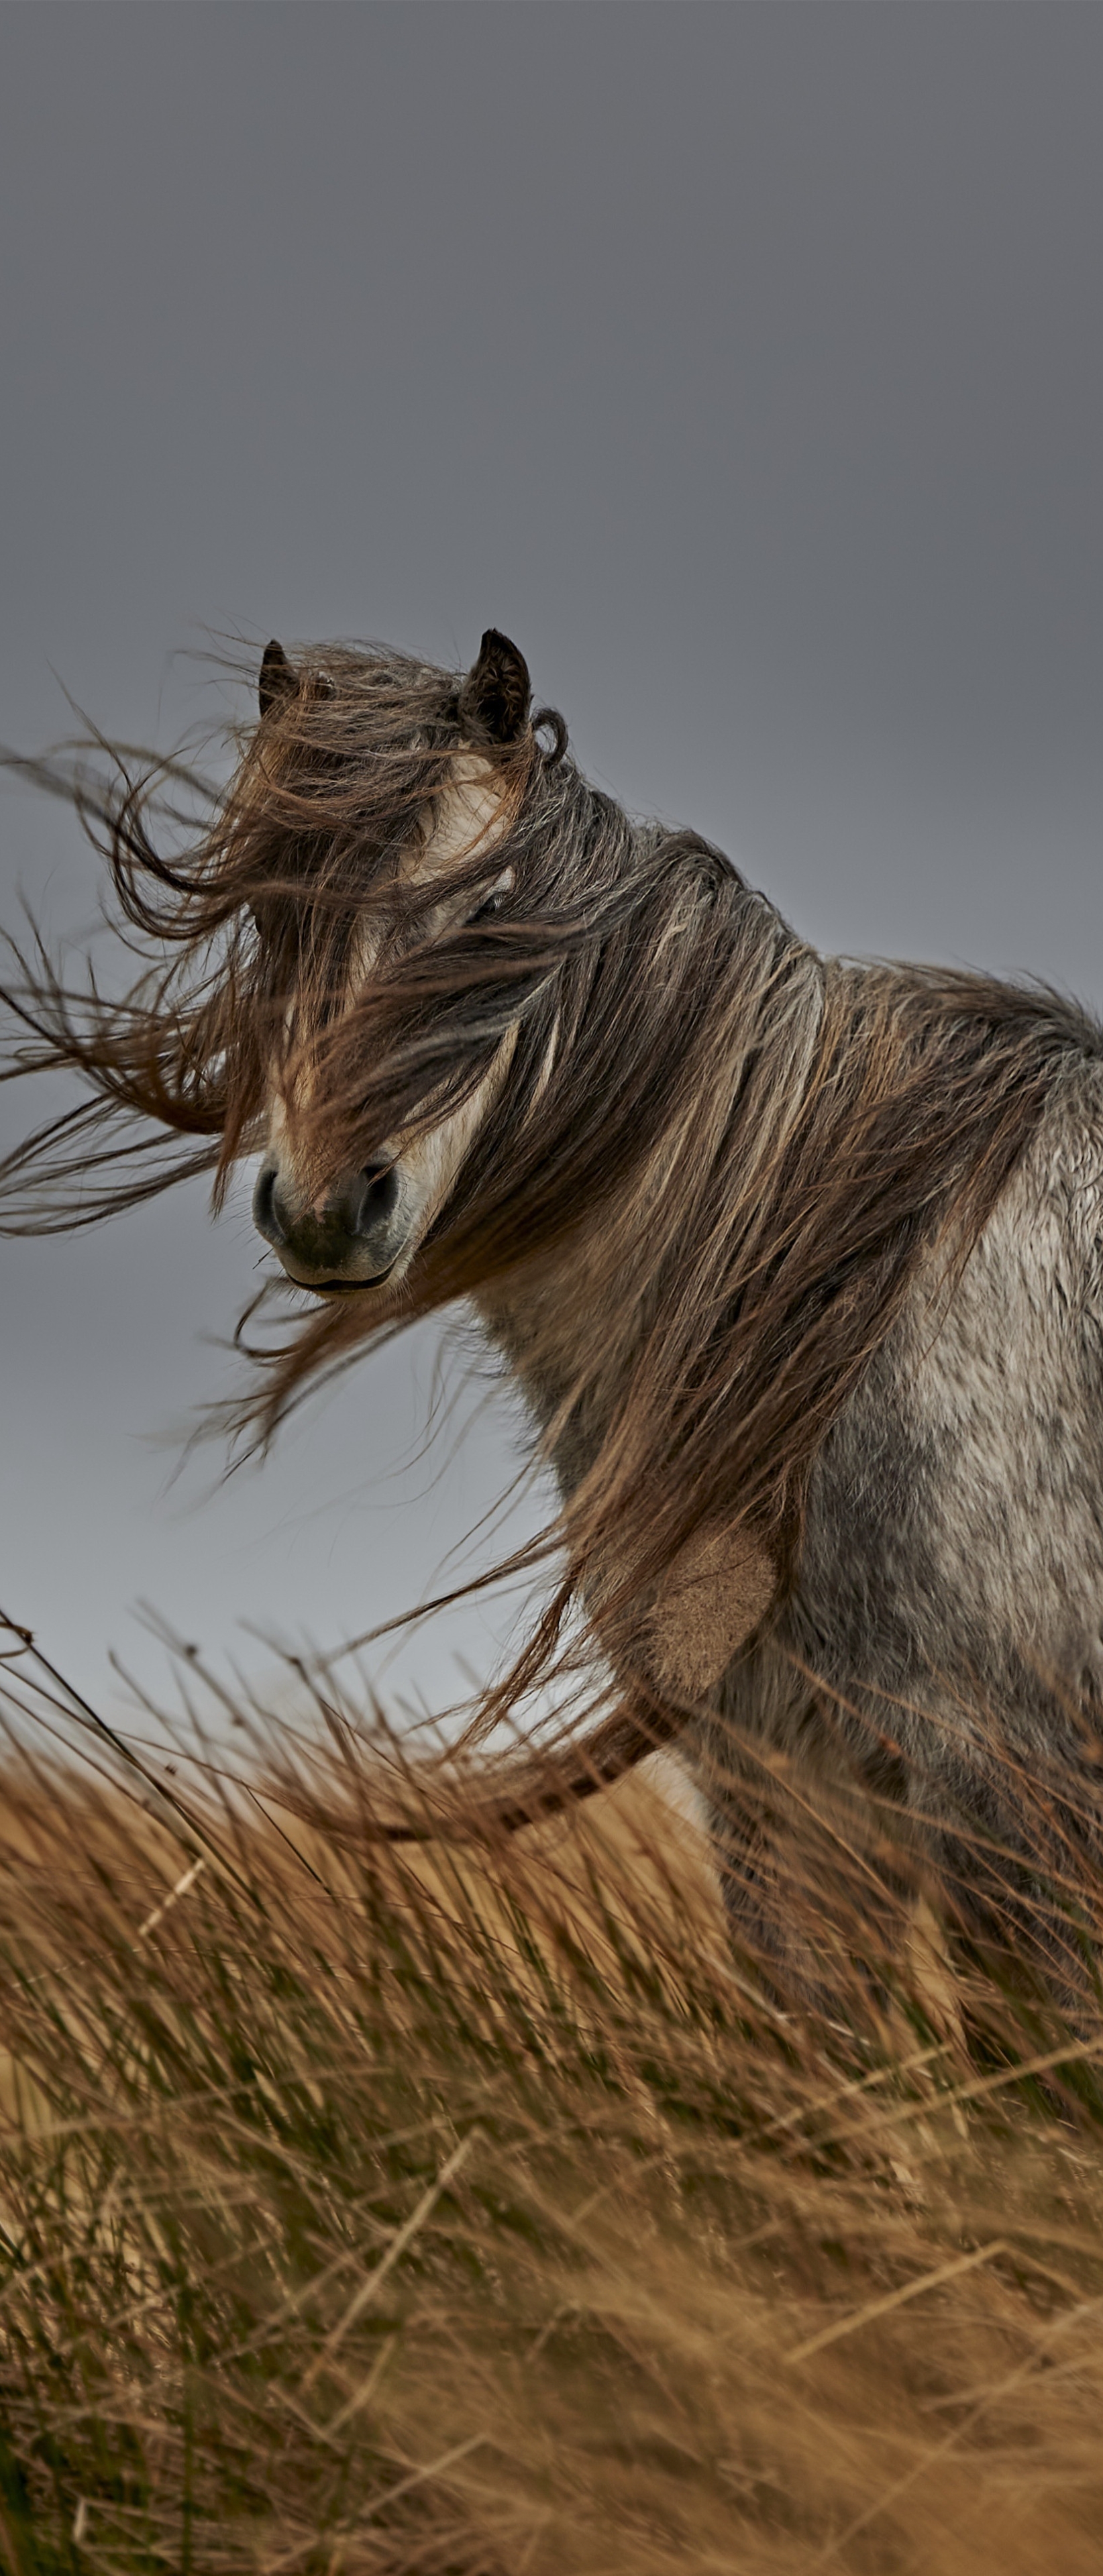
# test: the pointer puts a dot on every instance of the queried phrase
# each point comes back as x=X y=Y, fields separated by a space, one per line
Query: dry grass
x=469 y=2210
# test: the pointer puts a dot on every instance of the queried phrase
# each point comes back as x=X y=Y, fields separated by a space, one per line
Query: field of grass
x=472 y=2209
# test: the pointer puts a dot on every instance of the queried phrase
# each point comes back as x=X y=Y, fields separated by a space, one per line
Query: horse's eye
x=485 y=911
x=492 y=900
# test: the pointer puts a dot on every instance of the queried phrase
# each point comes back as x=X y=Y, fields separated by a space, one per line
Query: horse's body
x=939 y=1641
x=948 y=1595
x=798 y=1263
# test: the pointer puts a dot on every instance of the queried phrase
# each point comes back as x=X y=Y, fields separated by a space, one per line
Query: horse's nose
x=349 y=1235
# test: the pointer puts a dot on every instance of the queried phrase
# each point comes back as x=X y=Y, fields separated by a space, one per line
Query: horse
x=795 y=1260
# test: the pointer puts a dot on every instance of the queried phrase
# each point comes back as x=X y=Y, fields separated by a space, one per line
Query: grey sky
x=745 y=362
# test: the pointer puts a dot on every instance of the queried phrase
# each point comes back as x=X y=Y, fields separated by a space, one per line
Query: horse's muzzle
x=349 y=1239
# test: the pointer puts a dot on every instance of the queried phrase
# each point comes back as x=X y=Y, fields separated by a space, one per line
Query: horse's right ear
x=278 y=678
x=494 y=699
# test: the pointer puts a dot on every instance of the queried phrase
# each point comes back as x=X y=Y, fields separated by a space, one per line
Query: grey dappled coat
x=949 y=1592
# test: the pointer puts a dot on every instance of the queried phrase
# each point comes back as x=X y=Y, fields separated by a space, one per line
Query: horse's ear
x=278 y=678
x=494 y=699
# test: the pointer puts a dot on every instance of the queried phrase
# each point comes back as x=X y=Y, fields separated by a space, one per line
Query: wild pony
x=796 y=1260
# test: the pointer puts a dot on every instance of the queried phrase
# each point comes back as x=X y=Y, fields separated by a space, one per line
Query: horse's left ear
x=278 y=677
x=494 y=699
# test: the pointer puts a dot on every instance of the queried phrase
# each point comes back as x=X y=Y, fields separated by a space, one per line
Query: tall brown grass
x=475 y=2209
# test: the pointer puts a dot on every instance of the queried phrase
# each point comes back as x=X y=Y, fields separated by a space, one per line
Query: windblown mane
x=772 y=1141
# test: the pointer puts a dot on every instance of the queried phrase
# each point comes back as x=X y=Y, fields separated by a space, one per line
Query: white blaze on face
x=471 y=815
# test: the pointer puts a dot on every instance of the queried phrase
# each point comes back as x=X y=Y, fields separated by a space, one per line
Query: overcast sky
x=744 y=362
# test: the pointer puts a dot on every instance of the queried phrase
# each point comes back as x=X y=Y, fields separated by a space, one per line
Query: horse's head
x=375 y=947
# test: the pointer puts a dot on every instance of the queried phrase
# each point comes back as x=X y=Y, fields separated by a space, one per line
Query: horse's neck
x=570 y=1326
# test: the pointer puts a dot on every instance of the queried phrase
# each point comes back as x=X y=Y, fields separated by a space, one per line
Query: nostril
x=379 y=1197
x=265 y=1209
